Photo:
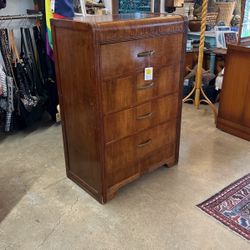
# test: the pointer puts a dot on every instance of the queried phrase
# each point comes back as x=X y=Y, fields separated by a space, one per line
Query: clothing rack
x=13 y=21
x=23 y=95
x=21 y=17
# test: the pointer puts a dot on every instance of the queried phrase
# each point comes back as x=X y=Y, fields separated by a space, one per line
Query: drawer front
x=164 y=155
x=152 y=139
x=166 y=81
x=130 y=121
x=126 y=92
x=122 y=158
x=122 y=58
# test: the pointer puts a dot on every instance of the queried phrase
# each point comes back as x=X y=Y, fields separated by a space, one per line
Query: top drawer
x=126 y=57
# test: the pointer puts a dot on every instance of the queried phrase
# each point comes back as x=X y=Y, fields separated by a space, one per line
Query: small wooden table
x=210 y=38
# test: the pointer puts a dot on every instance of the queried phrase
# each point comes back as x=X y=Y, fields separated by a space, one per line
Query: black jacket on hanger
x=2 y=4
x=47 y=65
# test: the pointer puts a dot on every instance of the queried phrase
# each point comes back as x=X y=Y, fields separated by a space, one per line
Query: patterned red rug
x=231 y=206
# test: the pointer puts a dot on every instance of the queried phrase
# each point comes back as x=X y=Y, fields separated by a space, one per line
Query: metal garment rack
x=13 y=21
x=21 y=17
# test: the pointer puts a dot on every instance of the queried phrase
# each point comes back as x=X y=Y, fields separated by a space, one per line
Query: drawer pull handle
x=141 y=117
x=145 y=143
x=146 y=53
x=146 y=86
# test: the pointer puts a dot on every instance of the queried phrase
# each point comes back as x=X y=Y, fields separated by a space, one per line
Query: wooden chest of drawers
x=117 y=125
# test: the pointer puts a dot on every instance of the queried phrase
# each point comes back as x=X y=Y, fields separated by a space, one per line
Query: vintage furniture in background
x=244 y=34
x=226 y=10
x=234 y=109
x=117 y=124
x=171 y=5
x=220 y=59
x=210 y=39
x=191 y=59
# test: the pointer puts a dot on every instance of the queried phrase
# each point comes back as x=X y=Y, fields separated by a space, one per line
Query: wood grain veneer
x=234 y=109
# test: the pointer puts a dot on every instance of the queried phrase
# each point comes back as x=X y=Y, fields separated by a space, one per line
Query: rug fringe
x=232 y=185
x=224 y=189
x=225 y=226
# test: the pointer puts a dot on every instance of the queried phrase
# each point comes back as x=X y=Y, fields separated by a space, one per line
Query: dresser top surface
x=124 y=27
x=133 y=17
x=123 y=17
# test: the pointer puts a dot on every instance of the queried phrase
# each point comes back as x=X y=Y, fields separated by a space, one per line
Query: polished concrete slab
x=41 y=209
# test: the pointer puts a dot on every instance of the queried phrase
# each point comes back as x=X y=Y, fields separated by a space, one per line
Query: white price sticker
x=148 y=74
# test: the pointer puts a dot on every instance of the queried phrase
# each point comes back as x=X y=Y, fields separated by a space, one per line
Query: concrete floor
x=41 y=209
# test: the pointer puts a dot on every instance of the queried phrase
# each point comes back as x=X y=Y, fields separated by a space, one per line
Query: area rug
x=231 y=206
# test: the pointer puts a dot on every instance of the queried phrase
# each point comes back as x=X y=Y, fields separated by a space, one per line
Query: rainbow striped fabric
x=62 y=9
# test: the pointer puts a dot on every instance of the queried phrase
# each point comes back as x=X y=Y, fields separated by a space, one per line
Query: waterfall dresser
x=120 y=82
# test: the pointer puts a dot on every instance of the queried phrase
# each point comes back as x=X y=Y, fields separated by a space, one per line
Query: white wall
x=108 y=5
x=15 y=7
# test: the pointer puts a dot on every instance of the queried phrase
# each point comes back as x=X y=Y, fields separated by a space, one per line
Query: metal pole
x=17 y=17
x=197 y=89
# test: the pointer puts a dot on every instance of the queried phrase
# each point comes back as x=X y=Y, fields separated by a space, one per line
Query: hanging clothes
x=3 y=87
x=64 y=8
x=5 y=50
x=7 y=99
x=2 y=4
x=23 y=94
x=61 y=9
x=3 y=97
x=43 y=37
x=49 y=16
x=32 y=91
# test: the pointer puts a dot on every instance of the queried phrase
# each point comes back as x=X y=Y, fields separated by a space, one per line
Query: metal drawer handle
x=145 y=143
x=146 y=86
x=146 y=53
x=141 y=117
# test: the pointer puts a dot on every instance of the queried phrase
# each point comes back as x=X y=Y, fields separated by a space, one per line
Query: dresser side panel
x=181 y=81
x=234 y=108
x=78 y=95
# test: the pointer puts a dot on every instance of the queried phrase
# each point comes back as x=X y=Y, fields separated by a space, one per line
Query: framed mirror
x=244 y=34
